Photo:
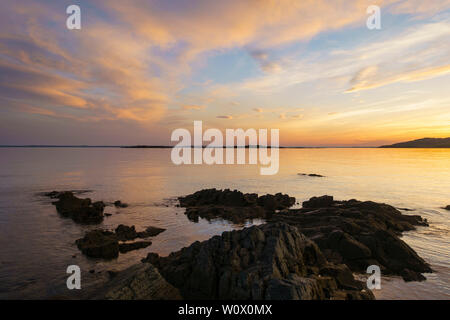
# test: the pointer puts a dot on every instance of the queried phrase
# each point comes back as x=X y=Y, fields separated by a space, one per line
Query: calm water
x=37 y=245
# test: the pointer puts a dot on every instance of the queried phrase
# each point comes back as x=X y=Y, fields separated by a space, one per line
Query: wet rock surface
x=107 y=245
x=271 y=261
x=139 y=282
x=232 y=205
x=359 y=234
x=99 y=244
x=125 y=233
x=79 y=210
x=355 y=233
x=125 y=247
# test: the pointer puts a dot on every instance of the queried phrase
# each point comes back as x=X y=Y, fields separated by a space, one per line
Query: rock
x=99 y=244
x=80 y=210
x=447 y=207
x=271 y=261
x=342 y=274
x=52 y=194
x=108 y=214
x=311 y=175
x=55 y=194
x=120 y=204
x=318 y=202
x=92 y=271
x=139 y=282
x=359 y=234
x=112 y=273
x=105 y=244
x=409 y=275
x=278 y=201
x=232 y=205
x=150 y=232
x=125 y=233
x=125 y=247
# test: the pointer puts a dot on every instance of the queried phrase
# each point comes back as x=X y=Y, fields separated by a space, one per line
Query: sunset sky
x=139 y=69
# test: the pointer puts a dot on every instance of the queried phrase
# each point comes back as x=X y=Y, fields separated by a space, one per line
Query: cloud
x=225 y=117
x=54 y=68
x=417 y=53
x=131 y=59
x=264 y=62
x=365 y=81
x=419 y=8
x=258 y=110
x=193 y=107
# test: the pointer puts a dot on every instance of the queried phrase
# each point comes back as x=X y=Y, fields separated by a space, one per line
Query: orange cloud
x=193 y=107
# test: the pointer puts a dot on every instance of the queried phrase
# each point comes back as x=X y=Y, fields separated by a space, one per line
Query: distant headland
x=422 y=143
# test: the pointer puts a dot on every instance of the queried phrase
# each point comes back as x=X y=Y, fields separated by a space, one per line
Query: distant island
x=422 y=143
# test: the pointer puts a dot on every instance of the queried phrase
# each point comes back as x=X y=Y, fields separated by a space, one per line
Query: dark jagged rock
x=447 y=207
x=232 y=205
x=107 y=244
x=150 y=232
x=80 y=210
x=271 y=261
x=315 y=175
x=318 y=202
x=125 y=247
x=139 y=282
x=120 y=204
x=125 y=233
x=99 y=244
x=359 y=234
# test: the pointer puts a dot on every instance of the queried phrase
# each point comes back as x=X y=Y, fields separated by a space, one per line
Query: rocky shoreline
x=307 y=253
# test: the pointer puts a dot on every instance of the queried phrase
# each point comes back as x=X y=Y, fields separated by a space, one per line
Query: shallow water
x=37 y=245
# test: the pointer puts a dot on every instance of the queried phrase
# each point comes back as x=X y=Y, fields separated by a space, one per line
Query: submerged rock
x=359 y=234
x=447 y=207
x=80 y=210
x=150 y=232
x=232 y=205
x=139 y=282
x=120 y=204
x=272 y=261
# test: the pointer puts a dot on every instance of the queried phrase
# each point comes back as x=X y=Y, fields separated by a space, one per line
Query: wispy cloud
x=193 y=107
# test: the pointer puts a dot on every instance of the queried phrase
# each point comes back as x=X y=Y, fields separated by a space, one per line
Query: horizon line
x=169 y=147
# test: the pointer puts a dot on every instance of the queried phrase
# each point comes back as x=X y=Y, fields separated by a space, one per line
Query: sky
x=137 y=70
